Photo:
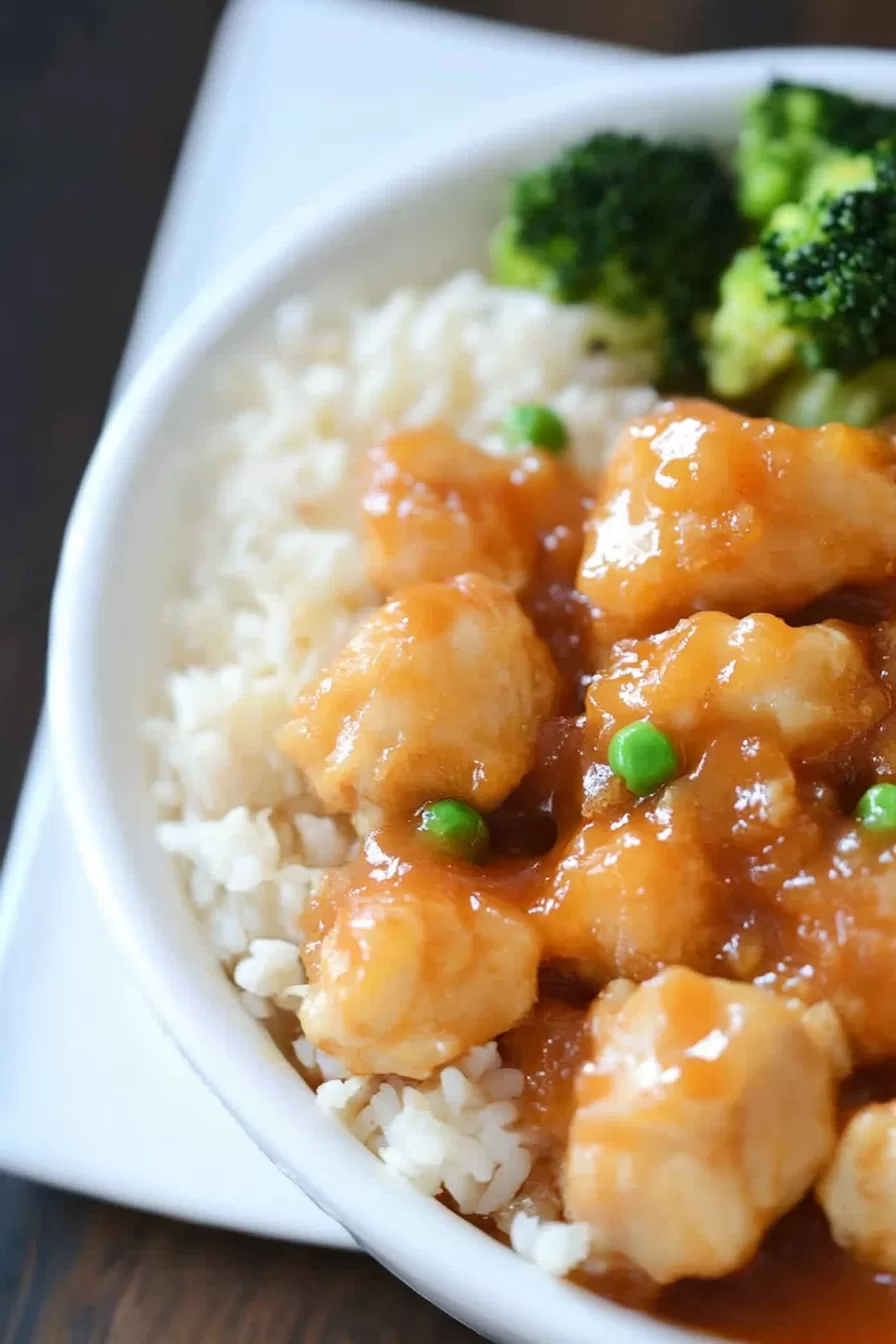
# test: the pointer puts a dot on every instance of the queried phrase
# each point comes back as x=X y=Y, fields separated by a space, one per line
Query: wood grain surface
x=94 y=97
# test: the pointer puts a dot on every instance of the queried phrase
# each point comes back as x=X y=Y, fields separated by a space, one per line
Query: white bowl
x=418 y=220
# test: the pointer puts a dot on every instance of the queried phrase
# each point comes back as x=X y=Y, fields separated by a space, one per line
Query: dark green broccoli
x=814 y=301
x=641 y=229
x=791 y=128
x=833 y=259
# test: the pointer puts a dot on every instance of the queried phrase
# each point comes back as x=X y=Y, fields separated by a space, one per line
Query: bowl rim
x=445 y=1258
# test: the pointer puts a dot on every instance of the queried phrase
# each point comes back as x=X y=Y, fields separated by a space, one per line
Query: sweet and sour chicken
x=441 y=692
x=412 y=962
x=858 y=1191
x=683 y=1104
x=704 y=509
x=660 y=864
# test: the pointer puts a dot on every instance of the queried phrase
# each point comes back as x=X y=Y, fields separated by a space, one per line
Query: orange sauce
x=548 y=1048
x=795 y=903
x=549 y=800
x=799 y=1289
x=562 y=617
x=554 y=501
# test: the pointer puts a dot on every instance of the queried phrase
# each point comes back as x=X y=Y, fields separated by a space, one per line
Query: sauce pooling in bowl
x=684 y=964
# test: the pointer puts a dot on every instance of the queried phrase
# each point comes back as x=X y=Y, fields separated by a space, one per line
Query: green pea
x=455 y=828
x=643 y=757
x=538 y=425
x=876 y=808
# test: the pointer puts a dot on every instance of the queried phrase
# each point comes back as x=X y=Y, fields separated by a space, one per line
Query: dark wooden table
x=94 y=96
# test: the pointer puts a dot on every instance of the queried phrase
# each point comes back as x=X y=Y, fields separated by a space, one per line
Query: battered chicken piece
x=858 y=1192
x=646 y=885
x=440 y=693
x=435 y=506
x=411 y=962
x=749 y=704
x=812 y=688
x=823 y=1024
x=837 y=934
x=632 y=894
x=705 y=1113
x=702 y=508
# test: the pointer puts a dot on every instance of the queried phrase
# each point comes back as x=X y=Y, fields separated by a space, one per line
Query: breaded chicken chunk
x=440 y=693
x=435 y=506
x=702 y=508
x=858 y=1192
x=812 y=687
x=705 y=1112
x=411 y=964
x=632 y=894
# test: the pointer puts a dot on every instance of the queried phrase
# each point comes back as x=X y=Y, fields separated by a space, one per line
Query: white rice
x=455 y=1132
x=555 y=1247
x=274 y=584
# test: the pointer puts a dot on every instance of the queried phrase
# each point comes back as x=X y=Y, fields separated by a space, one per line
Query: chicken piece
x=705 y=1112
x=703 y=508
x=823 y=1024
x=435 y=506
x=748 y=798
x=811 y=688
x=633 y=894
x=836 y=940
x=411 y=962
x=858 y=1191
x=440 y=693
x=766 y=719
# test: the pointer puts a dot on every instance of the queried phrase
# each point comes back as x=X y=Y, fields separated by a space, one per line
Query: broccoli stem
x=807 y=399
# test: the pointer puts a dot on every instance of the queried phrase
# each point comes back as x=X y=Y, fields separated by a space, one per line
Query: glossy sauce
x=748 y=866
x=705 y=509
x=799 y=1289
x=435 y=506
x=549 y=1049
x=555 y=502
x=801 y=1286
x=549 y=800
x=389 y=939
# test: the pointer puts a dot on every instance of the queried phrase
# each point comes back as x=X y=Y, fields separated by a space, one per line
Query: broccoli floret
x=749 y=342
x=833 y=258
x=642 y=229
x=806 y=398
x=624 y=333
x=819 y=291
x=789 y=129
x=512 y=266
x=834 y=176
